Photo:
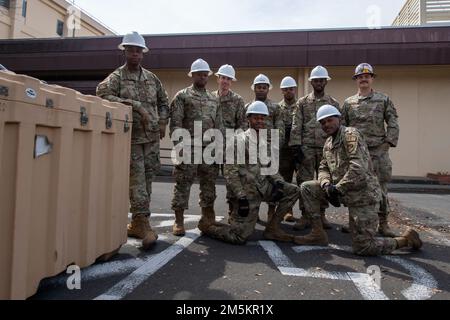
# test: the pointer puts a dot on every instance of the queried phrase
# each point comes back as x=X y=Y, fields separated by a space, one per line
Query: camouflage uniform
x=245 y=180
x=368 y=115
x=233 y=116
x=308 y=133
x=144 y=90
x=346 y=164
x=233 y=110
x=190 y=105
x=287 y=165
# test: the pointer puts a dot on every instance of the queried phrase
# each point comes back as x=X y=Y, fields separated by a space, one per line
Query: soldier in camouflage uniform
x=368 y=111
x=133 y=85
x=261 y=86
x=288 y=105
x=307 y=138
x=251 y=188
x=233 y=109
x=346 y=176
x=190 y=105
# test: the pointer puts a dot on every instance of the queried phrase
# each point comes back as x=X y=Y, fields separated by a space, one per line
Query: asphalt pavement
x=200 y=268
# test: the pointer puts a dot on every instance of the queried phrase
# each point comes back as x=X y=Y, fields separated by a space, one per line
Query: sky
x=200 y=16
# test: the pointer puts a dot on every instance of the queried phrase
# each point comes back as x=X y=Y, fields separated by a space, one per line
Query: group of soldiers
x=346 y=149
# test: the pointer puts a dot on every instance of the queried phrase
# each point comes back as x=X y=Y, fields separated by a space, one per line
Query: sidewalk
x=399 y=184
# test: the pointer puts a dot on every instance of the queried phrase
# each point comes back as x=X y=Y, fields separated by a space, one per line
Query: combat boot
x=303 y=223
x=289 y=217
x=208 y=218
x=383 y=228
x=274 y=232
x=140 y=228
x=325 y=223
x=178 y=226
x=317 y=237
x=270 y=213
x=410 y=238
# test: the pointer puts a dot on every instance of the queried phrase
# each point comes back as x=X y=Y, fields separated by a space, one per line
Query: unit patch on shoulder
x=352 y=142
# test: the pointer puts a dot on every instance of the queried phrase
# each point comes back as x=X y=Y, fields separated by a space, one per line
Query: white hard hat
x=261 y=79
x=326 y=111
x=288 y=82
x=257 y=107
x=319 y=72
x=363 y=68
x=133 y=39
x=200 y=65
x=227 y=71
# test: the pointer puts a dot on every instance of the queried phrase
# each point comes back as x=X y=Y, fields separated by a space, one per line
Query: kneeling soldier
x=346 y=176
x=251 y=188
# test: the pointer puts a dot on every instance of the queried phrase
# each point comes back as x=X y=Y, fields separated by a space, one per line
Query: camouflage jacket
x=368 y=115
x=274 y=120
x=305 y=129
x=191 y=105
x=346 y=163
x=141 y=90
x=245 y=180
x=233 y=110
x=288 y=112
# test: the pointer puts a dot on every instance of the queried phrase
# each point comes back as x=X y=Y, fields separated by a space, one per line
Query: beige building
x=423 y=12
x=418 y=93
x=46 y=19
x=412 y=66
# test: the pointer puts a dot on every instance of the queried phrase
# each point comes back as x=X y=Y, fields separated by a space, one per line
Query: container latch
x=108 y=120
x=126 y=126
x=4 y=91
x=84 y=119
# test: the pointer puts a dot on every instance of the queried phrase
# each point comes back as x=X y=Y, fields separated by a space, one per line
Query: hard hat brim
x=225 y=75
x=356 y=75
x=250 y=113
x=194 y=71
x=312 y=78
x=123 y=45
x=328 y=116
x=253 y=86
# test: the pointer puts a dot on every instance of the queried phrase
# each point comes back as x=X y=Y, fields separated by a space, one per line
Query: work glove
x=332 y=195
x=297 y=154
x=244 y=207
x=278 y=191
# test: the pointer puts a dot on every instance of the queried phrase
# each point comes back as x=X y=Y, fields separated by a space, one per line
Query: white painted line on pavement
x=423 y=282
x=152 y=265
x=363 y=282
x=366 y=286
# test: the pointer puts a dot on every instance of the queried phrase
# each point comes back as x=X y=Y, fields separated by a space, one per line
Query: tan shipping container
x=64 y=173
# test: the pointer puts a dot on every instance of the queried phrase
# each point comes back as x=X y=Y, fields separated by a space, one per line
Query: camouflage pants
x=144 y=165
x=363 y=220
x=241 y=228
x=184 y=178
x=308 y=170
x=382 y=165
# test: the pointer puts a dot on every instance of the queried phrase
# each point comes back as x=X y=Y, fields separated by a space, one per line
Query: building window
x=59 y=27
x=4 y=3
x=24 y=8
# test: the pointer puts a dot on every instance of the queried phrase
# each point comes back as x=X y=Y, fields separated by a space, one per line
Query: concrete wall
x=420 y=94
